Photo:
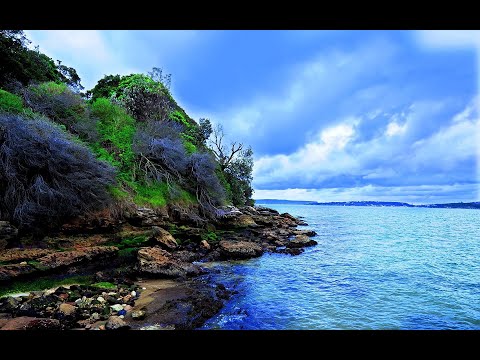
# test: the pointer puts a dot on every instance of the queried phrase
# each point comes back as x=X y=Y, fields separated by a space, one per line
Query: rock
x=291 y=251
x=305 y=232
x=138 y=315
x=63 y=296
x=95 y=316
x=133 y=293
x=205 y=245
x=127 y=308
x=8 y=232
x=67 y=309
x=122 y=312
x=101 y=299
x=164 y=238
x=8 y=304
x=300 y=241
x=144 y=217
x=160 y=262
x=31 y=323
x=68 y=258
x=245 y=221
x=239 y=249
x=101 y=327
x=9 y=272
x=116 y=323
x=117 y=307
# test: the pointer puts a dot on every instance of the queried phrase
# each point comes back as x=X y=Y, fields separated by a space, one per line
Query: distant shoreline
x=460 y=205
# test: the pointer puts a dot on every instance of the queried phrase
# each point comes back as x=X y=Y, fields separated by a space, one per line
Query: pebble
x=121 y=316
x=144 y=288
x=78 y=301
x=138 y=315
x=127 y=308
x=112 y=293
x=23 y=263
x=117 y=307
x=101 y=299
x=95 y=316
x=101 y=327
x=122 y=313
x=133 y=293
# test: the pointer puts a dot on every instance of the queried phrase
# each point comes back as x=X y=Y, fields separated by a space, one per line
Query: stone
x=9 y=272
x=95 y=316
x=305 y=232
x=101 y=327
x=67 y=309
x=239 y=249
x=138 y=315
x=127 y=308
x=122 y=312
x=133 y=293
x=117 y=307
x=121 y=316
x=164 y=238
x=68 y=258
x=116 y=323
x=300 y=241
x=17 y=255
x=31 y=323
x=9 y=303
x=160 y=262
x=205 y=245
x=245 y=221
x=101 y=299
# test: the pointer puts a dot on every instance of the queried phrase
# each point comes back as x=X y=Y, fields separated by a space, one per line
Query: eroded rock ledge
x=148 y=244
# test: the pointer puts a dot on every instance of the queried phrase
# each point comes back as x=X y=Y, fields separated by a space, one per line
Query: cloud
x=448 y=38
x=402 y=155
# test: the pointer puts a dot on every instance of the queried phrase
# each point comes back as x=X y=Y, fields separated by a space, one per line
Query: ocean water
x=374 y=268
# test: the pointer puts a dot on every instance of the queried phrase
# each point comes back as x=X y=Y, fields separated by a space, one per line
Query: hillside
x=123 y=144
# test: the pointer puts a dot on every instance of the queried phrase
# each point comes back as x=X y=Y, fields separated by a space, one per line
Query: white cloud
x=394 y=128
x=448 y=38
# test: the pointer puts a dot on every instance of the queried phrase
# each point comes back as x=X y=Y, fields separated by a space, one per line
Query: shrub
x=10 y=103
x=116 y=131
x=57 y=102
x=46 y=176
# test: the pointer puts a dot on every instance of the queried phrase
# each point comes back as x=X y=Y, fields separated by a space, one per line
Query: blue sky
x=330 y=115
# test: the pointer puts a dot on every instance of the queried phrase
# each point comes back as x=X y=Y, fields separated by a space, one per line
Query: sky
x=330 y=115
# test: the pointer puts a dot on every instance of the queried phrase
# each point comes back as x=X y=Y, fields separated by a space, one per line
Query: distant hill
x=291 y=202
x=461 y=205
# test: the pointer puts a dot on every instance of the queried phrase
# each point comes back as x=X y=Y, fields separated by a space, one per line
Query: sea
x=373 y=268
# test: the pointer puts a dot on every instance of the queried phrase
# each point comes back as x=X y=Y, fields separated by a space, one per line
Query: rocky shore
x=141 y=272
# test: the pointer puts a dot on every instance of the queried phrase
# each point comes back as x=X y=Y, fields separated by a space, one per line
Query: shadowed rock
x=156 y=261
x=239 y=249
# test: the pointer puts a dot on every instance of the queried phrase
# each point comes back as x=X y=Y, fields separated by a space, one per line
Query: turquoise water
x=374 y=268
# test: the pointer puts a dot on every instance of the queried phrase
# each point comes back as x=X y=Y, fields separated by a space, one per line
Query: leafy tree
x=105 y=87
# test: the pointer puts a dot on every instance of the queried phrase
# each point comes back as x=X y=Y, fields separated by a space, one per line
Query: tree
x=236 y=163
x=223 y=153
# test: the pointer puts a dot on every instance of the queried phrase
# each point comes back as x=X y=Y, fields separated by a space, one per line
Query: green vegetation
x=10 y=103
x=43 y=283
x=210 y=237
x=126 y=140
x=105 y=285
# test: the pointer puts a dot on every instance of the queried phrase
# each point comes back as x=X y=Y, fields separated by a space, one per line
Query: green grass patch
x=118 y=193
x=10 y=103
x=210 y=237
x=154 y=195
x=130 y=242
x=105 y=285
x=43 y=284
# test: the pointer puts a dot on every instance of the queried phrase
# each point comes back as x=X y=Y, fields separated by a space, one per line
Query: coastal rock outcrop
x=31 y=323
x=155 y=261
x=300 y=241
x=239 y=249
x=67 y=258
x=8 y=232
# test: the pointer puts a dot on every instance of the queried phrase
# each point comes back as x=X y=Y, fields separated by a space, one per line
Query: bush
x=60 y=104
x=10 y=103
x=46 y=176
x=116 y=131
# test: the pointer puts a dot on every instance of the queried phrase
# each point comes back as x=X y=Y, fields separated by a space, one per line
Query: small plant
x=10 y=103
x=105 y=285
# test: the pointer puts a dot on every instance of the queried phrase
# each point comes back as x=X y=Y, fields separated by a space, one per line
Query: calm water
x=374 y=268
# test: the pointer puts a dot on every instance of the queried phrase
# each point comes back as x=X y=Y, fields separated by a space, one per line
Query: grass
x=10 y=103
x=210 y=237
x=105 y=285
x=42 y=284
x=155 y=194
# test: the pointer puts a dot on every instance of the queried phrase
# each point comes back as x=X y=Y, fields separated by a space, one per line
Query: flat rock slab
x=239 y=249
x=155 y=261
x=18 y=255
x=8 y=272
x=67 y=258
x=31 y=323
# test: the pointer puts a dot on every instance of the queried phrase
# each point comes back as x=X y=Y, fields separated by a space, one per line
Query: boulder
x=164 y=238
x=245 y=221
x=305 y=232
x=144 y=216
x=153 y=260
x=239 y=249
x=67 y=309
x=300 y=241
x=116 y=323
x=68 y=258
x=31 y=323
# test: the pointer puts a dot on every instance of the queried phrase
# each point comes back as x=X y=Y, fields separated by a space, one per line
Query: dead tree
x=223 y=153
